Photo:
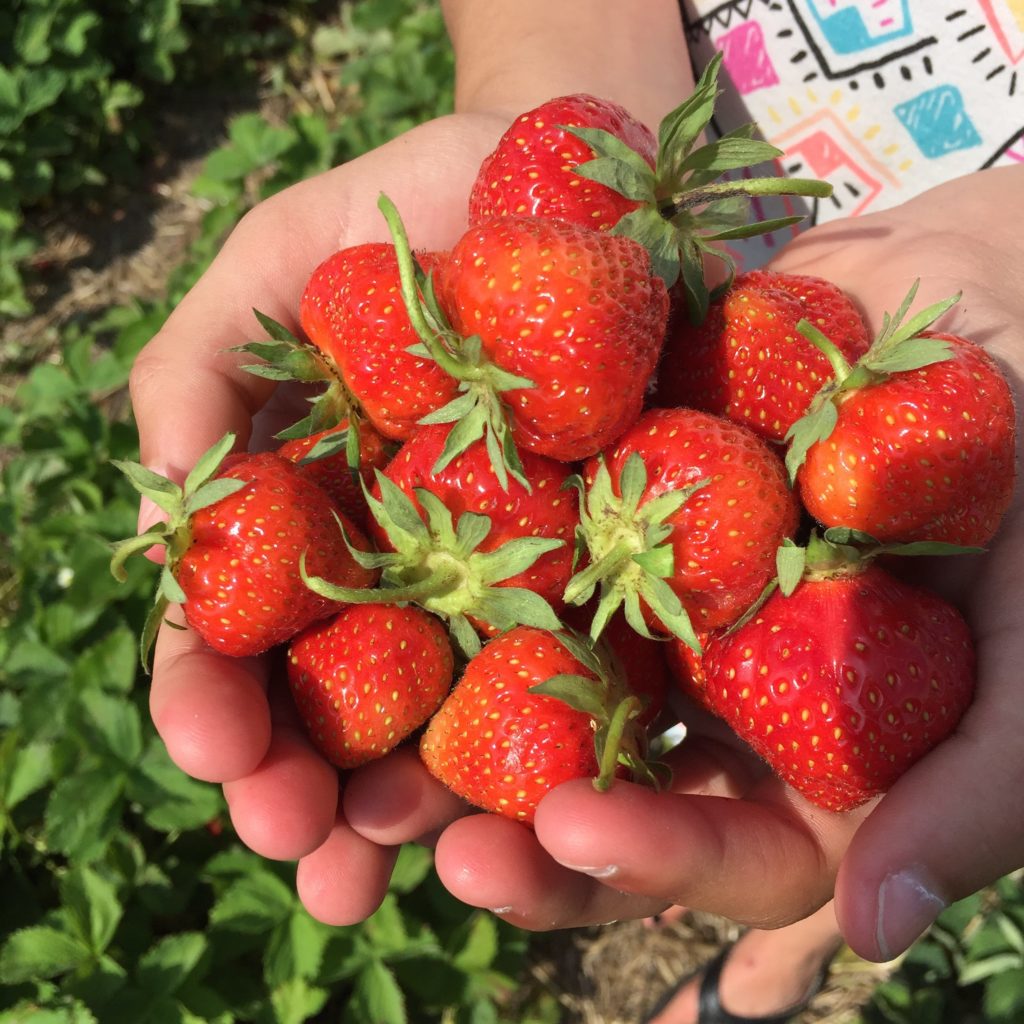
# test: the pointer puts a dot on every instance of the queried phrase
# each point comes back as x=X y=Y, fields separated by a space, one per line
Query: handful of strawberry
x=492 y=455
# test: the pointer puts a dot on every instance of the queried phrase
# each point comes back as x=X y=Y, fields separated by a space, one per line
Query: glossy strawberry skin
x=747 y=360
x=332 y=473
x=927 y=454
x=352 y=310
x=532 y=171
x=468 y=484
x=367 y=678
x=726 y=534
x=845 y=684
x=576 y=312
x=240 y=573
x=500 y=747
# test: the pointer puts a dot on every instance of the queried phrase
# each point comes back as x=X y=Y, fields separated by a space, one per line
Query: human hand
x=731 y=839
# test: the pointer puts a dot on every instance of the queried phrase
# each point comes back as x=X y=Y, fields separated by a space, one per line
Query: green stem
x=411 y=296
x=626 y=711
x=840 y=367
x=771 y=186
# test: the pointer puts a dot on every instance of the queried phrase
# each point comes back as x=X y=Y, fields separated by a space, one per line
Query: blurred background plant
x=133 y=135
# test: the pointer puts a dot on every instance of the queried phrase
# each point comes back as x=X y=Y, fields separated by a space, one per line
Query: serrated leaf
x=295 y=949
x=82 y=812
x=254 y=904
x=165 y=966
x=92 y=903
x=40 y=952
x=481 y=947
x=378 y=995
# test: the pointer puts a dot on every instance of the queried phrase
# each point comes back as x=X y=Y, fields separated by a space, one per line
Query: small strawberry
x=456 y=543
x=367 y=678
x=576 y=313
x=843 y=680
x=235 y=534
x=682 y=519
x=532 y=710
x=352 y=310
x=748 y=361
x=913 y=442
x=323 y=458
x=532 y=170
x=678 y=205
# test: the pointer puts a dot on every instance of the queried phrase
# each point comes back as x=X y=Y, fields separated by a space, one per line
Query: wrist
x=512 y=55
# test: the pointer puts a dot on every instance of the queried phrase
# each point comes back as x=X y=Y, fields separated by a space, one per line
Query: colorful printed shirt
x=882 y=98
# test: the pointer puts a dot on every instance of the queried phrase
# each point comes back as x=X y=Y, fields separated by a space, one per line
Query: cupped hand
x=729 y=838
x=230 y=720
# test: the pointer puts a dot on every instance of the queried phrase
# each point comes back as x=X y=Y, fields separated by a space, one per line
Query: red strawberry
x=748 y=361
x=843 y=685
x=532 y=171
x=352 y=310
x=503 y=738
x=454 y=542
x=367 y=678
x=682 y=520
x=575 y=312
x=914 y=442
x=323 y=458
x=235 y=535
x=687 y=667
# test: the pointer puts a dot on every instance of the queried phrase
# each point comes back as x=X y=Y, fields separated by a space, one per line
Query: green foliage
x=80 y=80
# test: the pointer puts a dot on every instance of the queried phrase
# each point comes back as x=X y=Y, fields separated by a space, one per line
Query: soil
x=93 y=259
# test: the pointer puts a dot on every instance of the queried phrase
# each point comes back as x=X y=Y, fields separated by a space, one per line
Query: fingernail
x=907 y=905
x=501 y=910
x=605 y=871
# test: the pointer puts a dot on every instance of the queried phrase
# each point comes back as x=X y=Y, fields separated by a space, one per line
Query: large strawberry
x=679 y=205
x=533 y=169
x=843 y=680
x=682 y=520
x=457 y=543
x=913 y=442
x=324 y=458
x=367 y=678
x=532 y=710
x=352 y=310
x=235 y=534
x=576 y=313
x=748 y=361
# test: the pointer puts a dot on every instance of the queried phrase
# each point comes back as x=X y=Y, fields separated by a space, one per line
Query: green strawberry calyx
x=899 y=347
x=479 y=409
x=842 y=551
x=284 y=357
x=201 y=489
x=604 y=695
x=685 y=210
x=630 y=558
x=437 y=563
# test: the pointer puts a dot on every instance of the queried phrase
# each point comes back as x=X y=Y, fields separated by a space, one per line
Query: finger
x=396 y=800
x=766 y=860
x=210 y=711
x=286 y=807
x=951 y=825
x=344 y=880
x=489 y=861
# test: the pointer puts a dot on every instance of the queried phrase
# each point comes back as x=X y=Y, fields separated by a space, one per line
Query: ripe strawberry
x=675 y=204
x=914 y=442
x=748 y=361
x=367 y=678
x=575 y=312
x=532 y=170
x=844 y=684
x=352 y=310
x=506 y=734
x=457 y=544
x=682 y=519
x=235 y=534
x=324 y=457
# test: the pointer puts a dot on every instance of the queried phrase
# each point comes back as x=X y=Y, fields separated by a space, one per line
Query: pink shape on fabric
x=745 y=57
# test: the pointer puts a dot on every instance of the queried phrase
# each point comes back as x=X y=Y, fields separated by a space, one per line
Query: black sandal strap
x=711 y=1011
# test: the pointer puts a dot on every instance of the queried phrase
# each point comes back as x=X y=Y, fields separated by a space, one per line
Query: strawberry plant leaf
x=621 y=177
x=212 y=492
x=579 y=692
x=208 y=464
x=470 y=531
x=790 y=561
x=93 y=908
x=464 y=636
x=665 y=603
x=728 y=153
x=506 y=607
x=912 y=354
x=40 y=952
x=817 y=425
x=681 y=128
x=513 y=557
x=275 y=330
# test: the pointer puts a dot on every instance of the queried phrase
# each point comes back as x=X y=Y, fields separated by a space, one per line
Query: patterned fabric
x=882 y=98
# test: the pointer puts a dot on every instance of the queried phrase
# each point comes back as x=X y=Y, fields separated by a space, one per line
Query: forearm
x=512 y=55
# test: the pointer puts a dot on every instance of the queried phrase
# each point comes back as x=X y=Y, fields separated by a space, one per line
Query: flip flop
x=709 y=1006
